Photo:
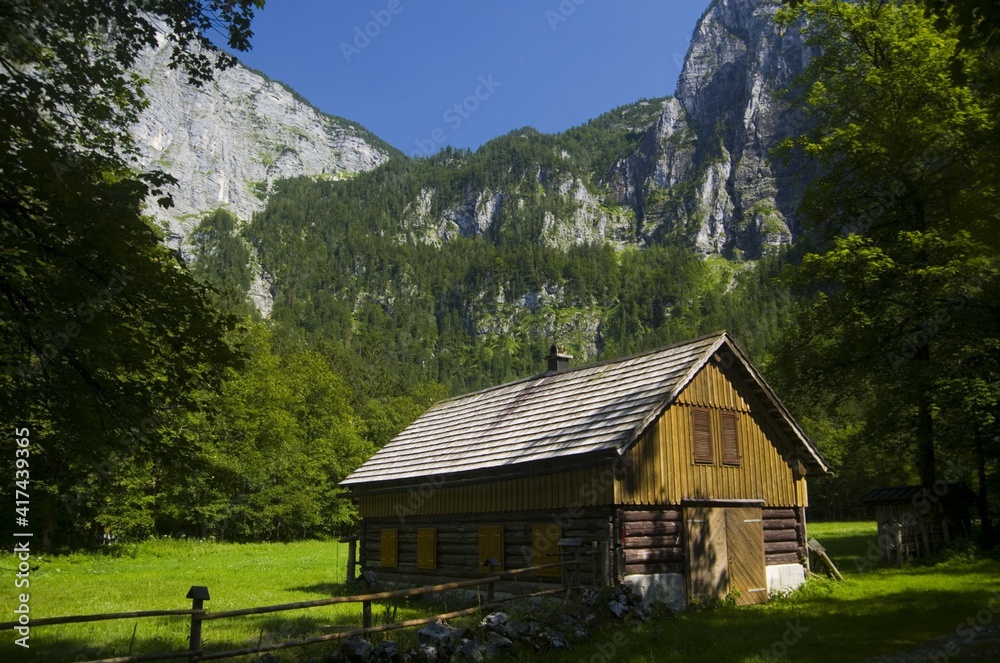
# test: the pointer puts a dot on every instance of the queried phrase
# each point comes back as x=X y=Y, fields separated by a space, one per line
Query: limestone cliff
x=227 y=142
x=705 y=173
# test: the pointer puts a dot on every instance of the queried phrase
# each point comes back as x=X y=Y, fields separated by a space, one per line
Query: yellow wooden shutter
x=389 y=541
x=702 y=430
x=490 y=545
x=426 y=548
x=544 y=548
x=730 y=440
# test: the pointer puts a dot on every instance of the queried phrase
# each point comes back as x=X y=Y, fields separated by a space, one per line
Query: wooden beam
x=820 y=551
x=416 y=591
x=80 y=619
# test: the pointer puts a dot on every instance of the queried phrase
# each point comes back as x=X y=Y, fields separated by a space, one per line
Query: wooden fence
x=199 y=615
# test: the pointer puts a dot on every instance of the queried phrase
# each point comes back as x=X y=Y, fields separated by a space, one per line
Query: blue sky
x=424 y=73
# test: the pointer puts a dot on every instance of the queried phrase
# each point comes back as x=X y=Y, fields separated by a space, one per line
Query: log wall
x=458 y=543
x=784 y=536
x=653 y=541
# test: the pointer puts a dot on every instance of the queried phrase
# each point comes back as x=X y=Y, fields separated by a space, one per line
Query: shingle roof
x=892 y=494
x=602 y=407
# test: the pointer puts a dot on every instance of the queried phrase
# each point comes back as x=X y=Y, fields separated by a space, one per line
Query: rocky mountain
x=703 y=174
x=693 y=170
x=542 y=236
x=229 y=141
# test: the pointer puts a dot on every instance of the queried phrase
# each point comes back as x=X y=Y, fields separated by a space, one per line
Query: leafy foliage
x=898 y=303
x=105 y=334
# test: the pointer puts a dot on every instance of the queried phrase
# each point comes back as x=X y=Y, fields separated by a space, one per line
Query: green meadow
x=156 y=575
x=917 y=611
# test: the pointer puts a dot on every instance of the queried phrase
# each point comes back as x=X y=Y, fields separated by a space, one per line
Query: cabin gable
x=662 y=467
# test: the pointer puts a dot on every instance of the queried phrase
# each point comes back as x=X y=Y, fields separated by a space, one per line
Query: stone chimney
x=558 y=359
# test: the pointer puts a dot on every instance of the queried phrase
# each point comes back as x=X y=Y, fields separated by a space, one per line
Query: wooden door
x=705 y=547
x=745 y=545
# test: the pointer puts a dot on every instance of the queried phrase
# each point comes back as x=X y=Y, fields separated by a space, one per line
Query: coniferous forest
x=161 y=402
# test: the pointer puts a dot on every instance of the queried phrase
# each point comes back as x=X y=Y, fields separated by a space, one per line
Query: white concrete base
x=785 y=578
x=661 y=587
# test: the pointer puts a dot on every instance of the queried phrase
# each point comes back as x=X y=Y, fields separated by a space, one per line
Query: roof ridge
x=603 y=362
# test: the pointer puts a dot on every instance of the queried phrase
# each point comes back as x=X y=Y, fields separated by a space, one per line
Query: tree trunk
x=982 y=501
x=926 y=459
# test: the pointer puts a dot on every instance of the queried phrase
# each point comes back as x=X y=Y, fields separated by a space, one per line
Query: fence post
x=368 y=578
x=565 y=546
x=576 y=566
x=491 y=565
x=198 y=596
x=352 y=555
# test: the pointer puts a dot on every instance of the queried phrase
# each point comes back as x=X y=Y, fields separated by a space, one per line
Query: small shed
x=677 y=470
x=914 y=521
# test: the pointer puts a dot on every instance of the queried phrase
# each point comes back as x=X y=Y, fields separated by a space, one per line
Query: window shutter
x=426 y=548
x=702 y=425
x=545 y=549
x=490 y=545
x=388 y=550
x=730 y=440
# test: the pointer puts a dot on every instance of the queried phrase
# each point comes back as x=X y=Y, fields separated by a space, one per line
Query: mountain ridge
x=692 y=170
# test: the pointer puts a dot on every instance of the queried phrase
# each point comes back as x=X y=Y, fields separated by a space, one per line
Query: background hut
x=914 y=521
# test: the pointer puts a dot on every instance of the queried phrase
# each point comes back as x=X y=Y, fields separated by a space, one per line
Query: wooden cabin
x=678 y=471
x=915 y=521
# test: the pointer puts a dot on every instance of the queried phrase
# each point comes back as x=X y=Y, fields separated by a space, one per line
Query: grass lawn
x=156 y=575
x=876 y=611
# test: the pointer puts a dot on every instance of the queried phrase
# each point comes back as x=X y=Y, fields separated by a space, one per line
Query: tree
x=104 y=332
x=898 y=294
x=281 y=437
x=66 y=67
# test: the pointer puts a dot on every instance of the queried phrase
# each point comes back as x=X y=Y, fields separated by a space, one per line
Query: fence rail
x=80 y=619
x=199 y=615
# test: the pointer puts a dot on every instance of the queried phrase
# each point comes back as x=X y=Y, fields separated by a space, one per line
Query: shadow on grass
x=846 y=550
x=45 y=649
x=819 y=624
x=824 y=621
x=264 y=630
x=328 y=589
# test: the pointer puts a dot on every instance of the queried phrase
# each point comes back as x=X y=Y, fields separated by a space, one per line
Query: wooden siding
x=661 y=468
x=745 y=551
x=564 y=490
x=457 y=542
x=705 y=553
